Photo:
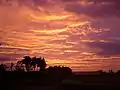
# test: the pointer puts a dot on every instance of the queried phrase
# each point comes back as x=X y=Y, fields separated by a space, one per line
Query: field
x=45 y=81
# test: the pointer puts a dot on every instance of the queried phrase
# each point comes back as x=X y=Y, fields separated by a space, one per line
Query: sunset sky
x=81 y=34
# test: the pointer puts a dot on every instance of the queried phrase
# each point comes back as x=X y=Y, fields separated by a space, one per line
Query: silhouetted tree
x=27 y=61
x=111 y=72
x=118 y=72
x=31 y=63
x=2 y=68
x=11 y=66
x=67 y=70
x=60 y=71
x=34 y=63
x=19 y=67
x=41 y=63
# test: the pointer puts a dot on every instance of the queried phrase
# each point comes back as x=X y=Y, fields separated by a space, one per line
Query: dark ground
x=46 y=81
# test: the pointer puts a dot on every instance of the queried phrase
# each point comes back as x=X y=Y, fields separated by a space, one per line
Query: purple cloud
x=106 y=49
x=108 y=9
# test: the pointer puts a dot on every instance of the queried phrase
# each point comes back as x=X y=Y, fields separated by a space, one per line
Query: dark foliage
x=58 y=70
x=31 y=63
x=23 y=76
x=2 y=68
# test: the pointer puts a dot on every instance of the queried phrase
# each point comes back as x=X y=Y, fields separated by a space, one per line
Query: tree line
x=28 y=64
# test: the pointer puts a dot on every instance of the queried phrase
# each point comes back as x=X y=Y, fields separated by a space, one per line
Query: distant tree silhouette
x=33 y=63
x=118 y=72
x=19 y=66
x=111 y=72
x=101 y=72
x=2 y=68
x=41 y=63
x=11 y=66
x=30 y=64
x=59 y=70
x=27 y=61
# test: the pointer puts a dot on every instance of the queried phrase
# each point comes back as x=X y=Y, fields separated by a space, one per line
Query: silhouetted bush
x=60 y=71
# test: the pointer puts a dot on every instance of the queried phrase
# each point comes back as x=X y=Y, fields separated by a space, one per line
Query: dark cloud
x=13 y=49
x=70 y=0
x=4 y=58
x=10 y=57
x=3 y=43
x=116 y=1
x=95 y=9
x=111 y=25
x=106 y=49
x=41 y=2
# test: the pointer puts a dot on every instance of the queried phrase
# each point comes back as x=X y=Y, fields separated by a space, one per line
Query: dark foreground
x=47 y=81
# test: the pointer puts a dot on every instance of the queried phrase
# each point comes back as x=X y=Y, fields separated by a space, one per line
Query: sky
x=81 y=34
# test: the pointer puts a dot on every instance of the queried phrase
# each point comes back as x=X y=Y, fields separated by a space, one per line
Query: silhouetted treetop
x=59 y=70
x=32 y=63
